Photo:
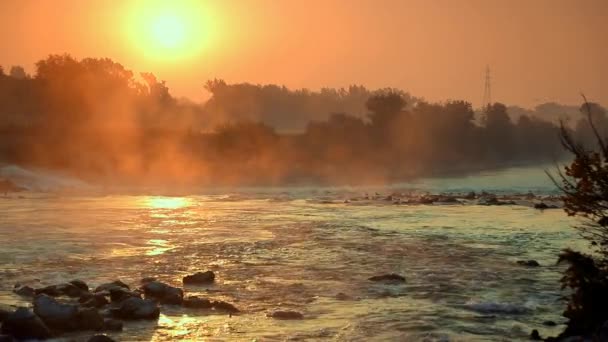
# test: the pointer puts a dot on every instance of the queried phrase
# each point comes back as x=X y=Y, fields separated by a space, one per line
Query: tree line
x=98 y=120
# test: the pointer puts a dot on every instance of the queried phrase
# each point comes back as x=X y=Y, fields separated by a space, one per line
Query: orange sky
x=538 y=50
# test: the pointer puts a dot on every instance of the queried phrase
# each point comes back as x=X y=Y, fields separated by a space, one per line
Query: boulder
x=24 y=291
x=528 y=263
x=543 y=206
x=93 y=300
x=470 y=196
x=164 y=293
x=137 y=308
x=108 y=286
x=80 y=284
x=535 y=336
x=550 y=323
x=100 y=338
x=391 y=277
x=224 y=306
x=50 y=290
x=54 y=314
x=285 y=314
x=148 y=280
x=194 y=302
x=200 y=278
x=4 y=313
x=71 y=290
x=112 y=325
x=24 y=324
x=89 y=319
x=119 y=294
x=343 y=296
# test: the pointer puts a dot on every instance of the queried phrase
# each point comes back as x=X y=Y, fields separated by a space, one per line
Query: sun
x=168 y=30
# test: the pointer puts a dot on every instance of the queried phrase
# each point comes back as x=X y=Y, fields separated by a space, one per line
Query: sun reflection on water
x=168 y=202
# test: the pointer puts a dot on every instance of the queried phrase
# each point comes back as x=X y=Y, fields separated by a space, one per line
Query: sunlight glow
x=163 y=30
x=167 y=202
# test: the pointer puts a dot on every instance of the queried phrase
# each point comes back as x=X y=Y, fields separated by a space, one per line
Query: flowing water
x=305 y=249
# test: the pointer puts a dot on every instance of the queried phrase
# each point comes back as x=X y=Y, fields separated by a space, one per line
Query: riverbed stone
x=80 y=284
x=220 y=305
x=206 y=277
x=137 y=308
x=528 y=263
x=390 y=277
x=100 y=338
x=24 y=291
x=108 y=286
x=286 y=314
x=194 y=302
x=112 y=325
x=24 y=324
x=89 y=319
x=54 y=314
x=166 y=294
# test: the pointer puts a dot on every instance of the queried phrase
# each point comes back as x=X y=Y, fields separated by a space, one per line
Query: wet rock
x=119 y=294
x=528 y=263
x=24 y=324
x=148 y=280
x=166 y=294
x=54 y=314
x=391 y=277
x=89 y=319
x=489 y=200
x=194 y=302
x=49 y=291
x=535 y=336
x=112 y=325
x=6 y=338
x=108 y=286
x=80 y=284
x=100 y=338
x=200 y=278
x=70 y=290
x=224 y=306
x=4 y=313
x=549 y=323
x=343 y=296
x=470 y=196
x=137 y=308
x=24 y=291
x=286 y=314
x=93 y=300
x=543 y=206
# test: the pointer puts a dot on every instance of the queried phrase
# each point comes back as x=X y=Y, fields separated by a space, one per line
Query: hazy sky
x=538 y=50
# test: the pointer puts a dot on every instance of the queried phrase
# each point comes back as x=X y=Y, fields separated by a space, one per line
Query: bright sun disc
x=168 y=30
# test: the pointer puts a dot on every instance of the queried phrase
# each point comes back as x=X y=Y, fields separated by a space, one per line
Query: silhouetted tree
x=585 y=193
x=18 y=72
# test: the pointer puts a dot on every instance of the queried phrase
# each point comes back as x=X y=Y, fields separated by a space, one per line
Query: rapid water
x=307 y=250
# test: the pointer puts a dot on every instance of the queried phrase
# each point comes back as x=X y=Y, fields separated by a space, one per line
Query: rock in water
x=164 y=293
x=197 y=303
x=24 y=291
x=24 y=324
x=200 y=278
x=224 y=306
x=112 y=325
x=391 y=277
x=286 y=314
x=535 y=336
x=55 y=314
x=100 y=338
x=529 y=263
x=80 y=284
x=137 y=308
x=89 y=319
x=108 y=286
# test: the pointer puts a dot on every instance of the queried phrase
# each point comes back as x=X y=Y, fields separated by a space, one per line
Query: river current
x=310 y=250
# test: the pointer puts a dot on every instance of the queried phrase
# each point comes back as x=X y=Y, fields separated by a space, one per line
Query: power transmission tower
x=487 y=91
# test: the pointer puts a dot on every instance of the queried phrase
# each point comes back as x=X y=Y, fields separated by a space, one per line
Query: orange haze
x=539 y=51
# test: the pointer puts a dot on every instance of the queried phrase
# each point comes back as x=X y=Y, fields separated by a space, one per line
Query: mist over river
x=310 y=250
